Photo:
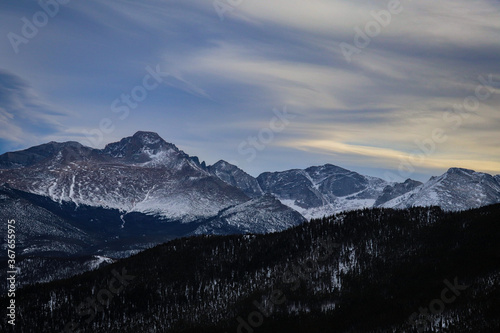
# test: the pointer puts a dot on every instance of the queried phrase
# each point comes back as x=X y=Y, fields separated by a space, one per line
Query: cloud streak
x=24 y=116
x=226 y=77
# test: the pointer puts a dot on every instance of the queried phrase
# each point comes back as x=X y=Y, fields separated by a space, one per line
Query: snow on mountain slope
x=234 y=176
x=393 y=191
x=457 y=189
x=145 y=174
x=260 y=215
x=322 y=190
x=341 y=204
x=142 y=173
x=37 y=154
x=291 y=185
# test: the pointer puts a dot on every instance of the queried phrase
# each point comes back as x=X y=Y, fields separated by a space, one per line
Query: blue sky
x=420 y=97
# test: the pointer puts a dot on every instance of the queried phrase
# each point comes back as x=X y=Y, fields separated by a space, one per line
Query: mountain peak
x=148 y=138
x=456 y=189
x=134 y=147
x=460 y=170
x=326 y=168
x=37 y=154
x=221 y=164
x=234 y=176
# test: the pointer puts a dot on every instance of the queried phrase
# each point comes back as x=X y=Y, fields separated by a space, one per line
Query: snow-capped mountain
x=457 y=189
x=37 y=154
x=145 y=174
x=326 y=190
x=398 y=189
x=75 y=204
x=80 y=203
x=234 y=176
x=322 y=190
x=142 y=173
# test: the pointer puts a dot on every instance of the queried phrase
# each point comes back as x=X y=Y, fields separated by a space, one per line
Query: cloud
x=24 y=117
x=177 y=81
x=226 y=77
x=461 y=22
x=390 y=98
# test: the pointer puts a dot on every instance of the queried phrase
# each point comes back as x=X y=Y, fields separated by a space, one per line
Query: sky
x=393 y=89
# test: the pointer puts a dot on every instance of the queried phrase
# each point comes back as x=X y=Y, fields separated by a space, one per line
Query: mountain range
x=143 y=173
x=79 y=202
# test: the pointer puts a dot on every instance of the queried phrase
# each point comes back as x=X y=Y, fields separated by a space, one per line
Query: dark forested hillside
x=376 y=270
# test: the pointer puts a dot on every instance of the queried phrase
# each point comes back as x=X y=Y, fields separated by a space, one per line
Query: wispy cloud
x=226 y=77
x=24 y=116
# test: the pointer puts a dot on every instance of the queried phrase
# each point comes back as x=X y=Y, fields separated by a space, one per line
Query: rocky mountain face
x=236 y=177
x=260 y=215
x=457 y=189
x=34 y=155
x=396 y=190
x=322 y=190
x=142 y=173
x=145 y=174
x=325 y=190
x=132 y=194
x=79 y=207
